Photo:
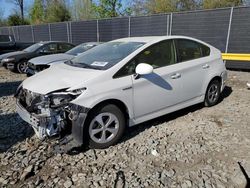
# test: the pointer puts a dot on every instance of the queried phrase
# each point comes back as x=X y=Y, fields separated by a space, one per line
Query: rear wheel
x=22 y=66
x=106 y=126
x=213 y=93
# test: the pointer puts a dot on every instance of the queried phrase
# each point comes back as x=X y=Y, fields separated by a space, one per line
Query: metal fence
x=227 y=29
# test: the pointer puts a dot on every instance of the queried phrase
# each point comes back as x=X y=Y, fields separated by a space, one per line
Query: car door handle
x=205 y=66
x=176 y=76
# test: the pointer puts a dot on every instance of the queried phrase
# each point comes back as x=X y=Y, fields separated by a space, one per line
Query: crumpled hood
x=58 y=77
x=47 y=59
x=11 y=54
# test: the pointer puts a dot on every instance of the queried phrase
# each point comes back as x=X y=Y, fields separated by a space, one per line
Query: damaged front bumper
x=66 y=120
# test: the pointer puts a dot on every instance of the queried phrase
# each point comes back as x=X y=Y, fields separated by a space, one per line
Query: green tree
x=210 y=4
x=161 y=6
x=57 y=11
x=138 y=7
x=37 y=12
x=82 y=9
x=110 y=8
x=16 y=19
x=189 y=4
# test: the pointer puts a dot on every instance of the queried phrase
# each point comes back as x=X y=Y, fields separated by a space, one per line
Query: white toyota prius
x=97 y=95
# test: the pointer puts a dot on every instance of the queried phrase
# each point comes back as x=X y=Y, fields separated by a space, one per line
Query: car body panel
x=59 y=76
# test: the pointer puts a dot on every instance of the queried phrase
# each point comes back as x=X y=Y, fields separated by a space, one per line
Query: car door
x=48 y=49
x=193 y=67
x=160 y=89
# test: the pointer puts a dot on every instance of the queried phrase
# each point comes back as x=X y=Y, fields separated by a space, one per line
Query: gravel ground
x=194 y=147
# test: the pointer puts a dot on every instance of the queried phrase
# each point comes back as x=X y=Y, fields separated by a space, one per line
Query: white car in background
x=121 y=83
x=38 y=64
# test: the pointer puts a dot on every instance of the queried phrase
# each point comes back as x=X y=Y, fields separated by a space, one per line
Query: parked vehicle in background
x=119 y=84
x=17 y=61
x=8 y=44
x=43 y=62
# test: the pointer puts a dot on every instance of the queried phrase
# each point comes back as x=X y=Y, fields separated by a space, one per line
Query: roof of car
x=91 y=43
x=47 y=42
x=149 y=38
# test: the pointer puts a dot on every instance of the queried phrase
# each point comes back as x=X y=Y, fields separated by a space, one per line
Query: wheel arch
x=121 y=105
x=215 y=78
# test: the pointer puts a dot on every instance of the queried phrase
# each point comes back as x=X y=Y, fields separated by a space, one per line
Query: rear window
x=189 y=50
x=5 y=38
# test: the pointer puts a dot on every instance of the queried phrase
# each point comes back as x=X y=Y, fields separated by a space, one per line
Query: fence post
x=12 y=28
x=70 y=31
x=167 y=24
x=68 y=34
x=229 y=28
x=97 y=31
x=32 y=33
x=171 y=23
x=129 y=26
x=18 y=33
x=49 y=32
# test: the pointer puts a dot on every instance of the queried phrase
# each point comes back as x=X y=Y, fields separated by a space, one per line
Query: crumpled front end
x=51 y=114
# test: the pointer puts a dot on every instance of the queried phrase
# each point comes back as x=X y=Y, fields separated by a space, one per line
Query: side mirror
x=143 y=68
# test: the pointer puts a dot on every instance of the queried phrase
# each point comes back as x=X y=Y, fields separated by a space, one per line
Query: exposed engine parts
x=50 y=114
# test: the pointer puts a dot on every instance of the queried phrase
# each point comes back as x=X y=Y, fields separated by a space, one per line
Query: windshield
x=33 y=47
x=106 y=55
x=80 y=49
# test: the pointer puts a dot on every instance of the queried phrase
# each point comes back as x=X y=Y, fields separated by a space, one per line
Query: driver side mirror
x=143 y=69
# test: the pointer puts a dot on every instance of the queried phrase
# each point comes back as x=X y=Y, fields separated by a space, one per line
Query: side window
x=50 y=48
x=158 y=55
x=5 y=38
x=188 y=50
x=64 y=47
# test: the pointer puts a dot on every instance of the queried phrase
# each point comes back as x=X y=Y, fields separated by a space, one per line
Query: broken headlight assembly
x=52 y=110
x=59 y=99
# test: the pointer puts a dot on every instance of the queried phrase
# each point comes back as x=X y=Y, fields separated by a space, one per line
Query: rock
x=26 y=173
x=67 y=184
x=170 y=173
x=155 y=153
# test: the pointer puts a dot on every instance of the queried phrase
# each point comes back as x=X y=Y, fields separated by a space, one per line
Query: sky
x=7 y=7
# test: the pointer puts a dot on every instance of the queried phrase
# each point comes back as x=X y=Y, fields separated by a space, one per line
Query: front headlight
x=6 y=60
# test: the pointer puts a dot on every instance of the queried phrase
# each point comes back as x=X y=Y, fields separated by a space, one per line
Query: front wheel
x=22 y=66
x=213 y=93
x=106 y=126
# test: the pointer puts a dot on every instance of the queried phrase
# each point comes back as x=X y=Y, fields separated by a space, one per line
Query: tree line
x=46 y=11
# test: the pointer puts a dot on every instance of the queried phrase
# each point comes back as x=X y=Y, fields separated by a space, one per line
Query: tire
x=21 y=67
x=213 y=93
x=111 y=118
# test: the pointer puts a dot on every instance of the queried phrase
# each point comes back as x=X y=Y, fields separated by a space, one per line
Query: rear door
x=193 y=66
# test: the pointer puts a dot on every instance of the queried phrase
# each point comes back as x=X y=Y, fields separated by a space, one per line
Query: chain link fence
x=227 y=29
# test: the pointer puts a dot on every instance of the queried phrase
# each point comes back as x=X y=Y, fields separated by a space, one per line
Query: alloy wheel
x=103 y=128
